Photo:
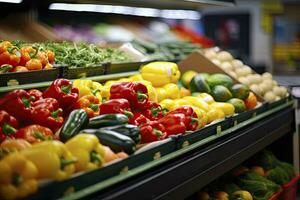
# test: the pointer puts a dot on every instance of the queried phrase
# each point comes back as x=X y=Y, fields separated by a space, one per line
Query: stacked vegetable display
x=77 y=126
x=14 y=58
x=261 y=179
x=263 y=85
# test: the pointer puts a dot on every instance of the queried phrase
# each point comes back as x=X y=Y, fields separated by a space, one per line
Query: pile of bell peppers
x=23 y=58
x=131 y=99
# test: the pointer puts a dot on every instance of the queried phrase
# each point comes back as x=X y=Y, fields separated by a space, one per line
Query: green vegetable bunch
x=83 y=54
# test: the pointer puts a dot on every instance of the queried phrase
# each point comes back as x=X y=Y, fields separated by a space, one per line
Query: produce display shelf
x=99 y=78
x=183 y=172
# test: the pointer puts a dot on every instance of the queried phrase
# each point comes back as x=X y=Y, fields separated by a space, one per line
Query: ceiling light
x=10 y=1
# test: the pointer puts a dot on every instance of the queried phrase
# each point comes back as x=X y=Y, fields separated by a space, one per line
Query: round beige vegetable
x=267 y=75
x=237 y=64
x=284 y=91
x=231 y=73
x=216 y=62
x=269 y=84
x=247 y=70
x=250 y=79
x=277 y=98
x=256 y=89
x=244 y=80
x=270 y=96
x=256 y=78
x=275 y=83
x=277 y=91
x=226 y=66
x=223 y=56
x=210 y=54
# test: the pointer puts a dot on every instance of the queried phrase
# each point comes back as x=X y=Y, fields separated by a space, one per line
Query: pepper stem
x=8 y=129
x=95 y=157
x=64 y=162
x=39 y=135
x=141 y=96
x=54 y=114
x=33 y=55
x=66 y=89
x=5 y=68
x=17 y=179
x=165 y=111
x=94 y=92
x=94 y=107
x=194 y=120
x=11 y=49
x=26 y=102
x=128 y=113
x=155 y=111
x=157 y=132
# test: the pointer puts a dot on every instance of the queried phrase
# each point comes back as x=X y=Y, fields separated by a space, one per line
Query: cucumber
x=77 y=120
x=116 y=141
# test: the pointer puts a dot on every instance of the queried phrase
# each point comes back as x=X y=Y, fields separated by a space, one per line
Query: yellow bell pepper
x=105 y=93
x=136 y=77
x=202 y=116
x=166 y=104
x=88 y=87
x=214 y=114
x=110 y=83
x=168 y=91
x=52 y=159
x=227 y=108
x=243 y=194
x=198 y=102
x=179 y=103
x=152 y=95
x=87 y=150
x=125 y=80
x=206 y=97
x=17 y=177
x=184 y=92
x=160 y=73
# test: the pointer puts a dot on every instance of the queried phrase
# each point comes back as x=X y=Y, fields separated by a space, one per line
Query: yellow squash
x=227 y=108
x=198 y=102
x=160 y=73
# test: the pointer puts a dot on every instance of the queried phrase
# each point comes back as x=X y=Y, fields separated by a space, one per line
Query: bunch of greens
x=83 y=54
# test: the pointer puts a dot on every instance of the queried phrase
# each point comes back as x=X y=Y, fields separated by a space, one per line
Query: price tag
x=82 y=75
x=157 y=156
x=235 y=122
x=12 y=82
x=254 y=114
x=124 y=170
x=219 y=130
x=185 y=144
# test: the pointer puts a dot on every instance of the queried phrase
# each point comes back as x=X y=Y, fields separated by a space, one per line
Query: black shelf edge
x=181 y=177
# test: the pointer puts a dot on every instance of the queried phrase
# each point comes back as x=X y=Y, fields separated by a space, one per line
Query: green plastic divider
x=46 y=84
x=104 y=184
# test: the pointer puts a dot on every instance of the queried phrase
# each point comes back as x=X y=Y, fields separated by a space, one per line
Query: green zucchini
x=107 y=120
x=116 y=141
x=77 y=120
x=129 y=130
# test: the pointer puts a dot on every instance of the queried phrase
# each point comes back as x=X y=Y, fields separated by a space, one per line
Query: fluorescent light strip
x=127 y=10
x=10 y=1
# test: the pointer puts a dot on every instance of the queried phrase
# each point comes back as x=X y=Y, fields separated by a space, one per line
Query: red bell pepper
x=90 y=104
x=8 y=125
x=18 y=104
x=174 y=123
x=138 y=119
x=46 y=112
x=10 y=54
x=154 y=111
x=136 y=93
x=116 y=106
x=152 y=131
x=192 y=121
x=35 y=133
x=63 y=91
x=36 y=94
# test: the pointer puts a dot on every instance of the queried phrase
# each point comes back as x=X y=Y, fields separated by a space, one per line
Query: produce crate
x=238 y=118
x=20 y=78
x=125 y=67
x=290 y=189
x=203 y=133
x=54 y=190
x=82 y=72
x=276 y=196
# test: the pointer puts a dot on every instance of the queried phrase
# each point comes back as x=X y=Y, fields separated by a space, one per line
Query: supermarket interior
x=149 y=99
